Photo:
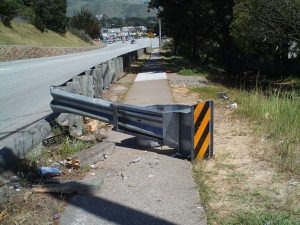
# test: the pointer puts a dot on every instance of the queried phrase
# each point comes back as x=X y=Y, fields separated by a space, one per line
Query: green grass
x=279 y=118
x=209 y=91
x=27 y=34
x=66 y=148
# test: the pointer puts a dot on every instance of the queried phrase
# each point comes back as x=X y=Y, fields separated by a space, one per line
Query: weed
x=208 y=91
x=261 y=218
x=187 y=72
x=69 y=147
x=201 y=178
x=279 y=114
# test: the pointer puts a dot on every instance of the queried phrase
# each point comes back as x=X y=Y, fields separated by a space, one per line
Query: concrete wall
x=18 y=52
x=93 y=82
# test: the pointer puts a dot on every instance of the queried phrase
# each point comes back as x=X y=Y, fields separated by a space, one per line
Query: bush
x=81 y=34
x=38 y=23
x=8 y=10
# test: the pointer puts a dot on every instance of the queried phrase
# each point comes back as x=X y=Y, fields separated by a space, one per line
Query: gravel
x=177 y=80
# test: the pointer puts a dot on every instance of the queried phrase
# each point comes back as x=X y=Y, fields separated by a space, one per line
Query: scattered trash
x=49 y=171
x=232 y=106
x=73 y=162
x=123 y=177
x=105 y=156
x=92 y=174
x=3 y=213
x=151 y=175
x=136 y=160
x=57 y=139
x=92 y=166
x=223 y=95
x=55 y=164
x=294 y=183
x=56 y=216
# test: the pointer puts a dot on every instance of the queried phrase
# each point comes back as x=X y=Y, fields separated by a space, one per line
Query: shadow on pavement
x=115 y=212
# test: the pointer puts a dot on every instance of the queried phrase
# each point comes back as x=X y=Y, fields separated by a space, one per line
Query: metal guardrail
x=171 y=125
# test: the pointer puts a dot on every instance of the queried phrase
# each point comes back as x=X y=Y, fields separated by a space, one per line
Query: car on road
x=132 y=41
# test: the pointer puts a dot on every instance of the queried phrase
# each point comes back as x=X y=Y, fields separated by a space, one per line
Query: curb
x=24 y=143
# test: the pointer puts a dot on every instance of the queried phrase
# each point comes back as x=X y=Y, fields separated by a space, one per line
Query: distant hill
x=112 y=8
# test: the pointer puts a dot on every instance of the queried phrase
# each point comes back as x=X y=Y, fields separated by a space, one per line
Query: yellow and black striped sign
x=203 y=126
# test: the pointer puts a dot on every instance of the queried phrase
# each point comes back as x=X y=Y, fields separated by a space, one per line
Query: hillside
x=27 y=34
x=112 y=8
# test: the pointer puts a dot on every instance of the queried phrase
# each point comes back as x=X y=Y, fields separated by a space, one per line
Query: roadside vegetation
x=27 y=34
x=265 y=121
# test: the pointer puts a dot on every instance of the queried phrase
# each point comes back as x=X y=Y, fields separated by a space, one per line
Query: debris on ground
x=47 y=171
x=84 y=187
x=232 y=106
x=73 y=162
x=3 y=213
x=135 y=160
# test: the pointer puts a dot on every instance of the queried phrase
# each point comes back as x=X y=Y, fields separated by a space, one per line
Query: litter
x=3 y=213
x=73 y=162
x=136 y=160
x=49 y=171
x=232 y=106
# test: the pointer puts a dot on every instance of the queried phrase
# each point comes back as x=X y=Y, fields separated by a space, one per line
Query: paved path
x=141 y=186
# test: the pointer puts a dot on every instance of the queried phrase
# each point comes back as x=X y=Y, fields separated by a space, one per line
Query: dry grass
x=27 y=34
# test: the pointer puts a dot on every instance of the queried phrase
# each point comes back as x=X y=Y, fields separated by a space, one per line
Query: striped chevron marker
x=203 y=124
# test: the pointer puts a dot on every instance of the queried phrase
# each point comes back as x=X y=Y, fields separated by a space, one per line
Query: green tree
x=86 y=21
x=199 y=28
x=8 y=10
x=54 y=16
x=267 y=28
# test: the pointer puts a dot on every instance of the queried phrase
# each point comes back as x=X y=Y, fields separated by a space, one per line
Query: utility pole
x=159 y=24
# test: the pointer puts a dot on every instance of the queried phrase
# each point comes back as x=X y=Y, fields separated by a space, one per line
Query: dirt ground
x=239 y=176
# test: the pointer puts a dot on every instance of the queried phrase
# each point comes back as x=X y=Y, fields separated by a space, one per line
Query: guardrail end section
x=203 y=127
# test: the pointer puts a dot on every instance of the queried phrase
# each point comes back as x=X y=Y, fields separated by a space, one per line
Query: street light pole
x=159 y=24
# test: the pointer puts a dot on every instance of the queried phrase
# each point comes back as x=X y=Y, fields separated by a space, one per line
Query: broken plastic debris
x=49 y=171
x=222 y=95
x=136 y=160
x=56 y=216
x=232 y=106
x=295 y=183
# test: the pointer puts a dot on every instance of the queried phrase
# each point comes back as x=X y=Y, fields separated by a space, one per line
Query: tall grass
x=279 y=115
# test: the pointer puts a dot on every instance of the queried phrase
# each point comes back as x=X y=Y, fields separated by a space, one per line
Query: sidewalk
x=140 y=186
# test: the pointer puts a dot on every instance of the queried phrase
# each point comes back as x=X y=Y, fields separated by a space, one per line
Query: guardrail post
x=203 y=130
x=105 y=74
x=98 y=81
x=121 y=67
x=117 y=69
x=90 y=76
x=82 y=80
x=75 y=121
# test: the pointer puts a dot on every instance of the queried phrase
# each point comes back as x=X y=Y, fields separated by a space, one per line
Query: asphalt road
x=25 y=84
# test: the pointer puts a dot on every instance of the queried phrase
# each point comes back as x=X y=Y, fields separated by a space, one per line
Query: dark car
x=132 y=41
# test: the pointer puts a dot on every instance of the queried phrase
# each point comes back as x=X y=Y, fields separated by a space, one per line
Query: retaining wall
x=18 y=52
